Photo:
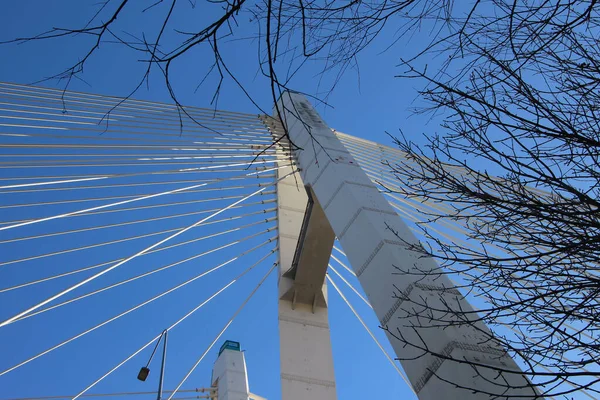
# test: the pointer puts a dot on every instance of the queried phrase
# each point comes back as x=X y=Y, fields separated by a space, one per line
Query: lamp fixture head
x=143 y=374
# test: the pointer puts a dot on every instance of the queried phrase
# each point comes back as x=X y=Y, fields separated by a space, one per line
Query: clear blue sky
x=379 y=103
x=365 y=107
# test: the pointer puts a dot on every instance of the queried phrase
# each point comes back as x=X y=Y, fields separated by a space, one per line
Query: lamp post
x=162 y=366
x=144 y=371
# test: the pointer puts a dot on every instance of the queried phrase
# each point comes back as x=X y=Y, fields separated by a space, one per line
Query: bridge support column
x=375 y=241
x=229 y=374
x=305 y=243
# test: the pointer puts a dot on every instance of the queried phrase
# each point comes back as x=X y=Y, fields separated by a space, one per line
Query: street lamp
x=144 y=371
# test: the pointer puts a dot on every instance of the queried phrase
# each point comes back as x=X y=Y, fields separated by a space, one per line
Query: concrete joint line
x=329 y=150
x=448 y=349
x=311 y=163
x=403 y=296
x=305 y=143
x=290 y=125
x=319 y=175
x=341 y=185
x=425 y=286
x=284 y=235
x=310 y=381
x=292 y=209
x=406 y=292
x=303 y=321
x=374 y=253
x=291 y=182
x=307 y=168
x=357 y=213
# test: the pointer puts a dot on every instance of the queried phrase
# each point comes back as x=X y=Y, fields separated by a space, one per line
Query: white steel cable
x=217 y=131
x=400 y=157
x=459 y=229
x=222 y=331
x=106 y=206
x=197 y=390
x=249 y=122
x=454 y=239
x=64 y=274
x=35 y=221
x=195 y=146
x=20 y=286
x=212 y=129
x=109 y=100
x=260 y=172
x=210 y=168
x=99 y=161
x=166 y=205
x=440 y=208
x=151 y=164
x=204 y=119
x=240 y=177
x=91 y=246
x=143 y=142
x=50 y=203
x=419 y=205
x=131 y=161
x=172 y=216
x=106 y=270
x=237 y=229
x=341 y=263
x=340 y=251
x=229 y=136
x=170 y=327
x=114 y=285
x=147 y=109
x=140 y=221
x=371 y=334
x=61 y=344
x=146 y=156
x=350 y=286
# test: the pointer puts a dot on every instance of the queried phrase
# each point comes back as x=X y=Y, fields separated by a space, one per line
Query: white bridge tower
x=331 y=197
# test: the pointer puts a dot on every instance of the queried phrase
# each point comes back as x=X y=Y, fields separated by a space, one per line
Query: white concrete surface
x=365 y=223
x=230 y=376
x=306 y=362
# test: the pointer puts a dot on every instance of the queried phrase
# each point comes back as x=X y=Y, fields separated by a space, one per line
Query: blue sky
x=366 y=104
x=380 y=103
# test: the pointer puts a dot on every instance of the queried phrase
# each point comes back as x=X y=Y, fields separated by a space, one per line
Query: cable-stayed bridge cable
x=83 y=282
x=177 y=323
x=61 y=344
